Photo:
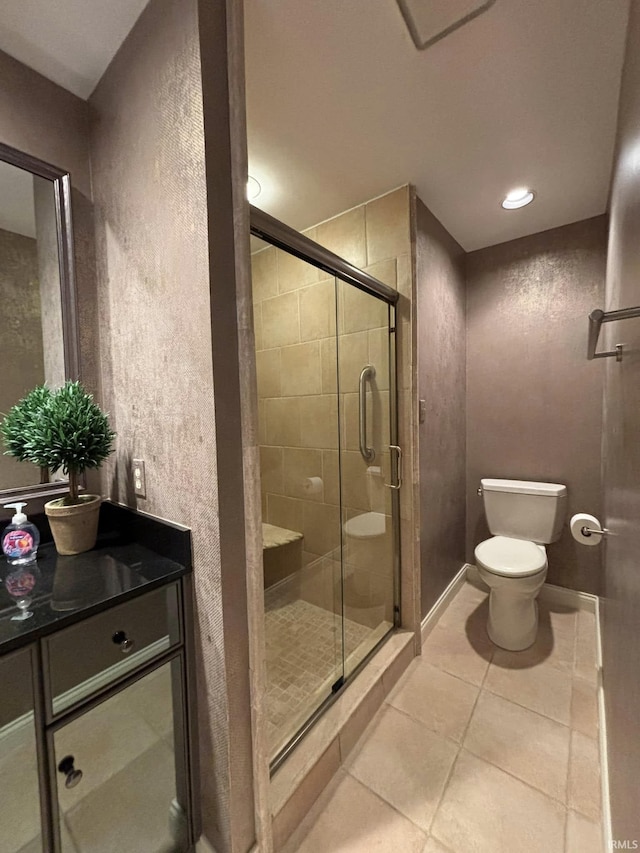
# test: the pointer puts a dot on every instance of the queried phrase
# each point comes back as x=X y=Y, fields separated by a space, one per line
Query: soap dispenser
x=20 y=539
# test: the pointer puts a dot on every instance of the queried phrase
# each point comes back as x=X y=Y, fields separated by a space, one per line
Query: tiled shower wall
x=295 y=324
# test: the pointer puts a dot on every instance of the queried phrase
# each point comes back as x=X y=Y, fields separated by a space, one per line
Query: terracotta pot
x=75 y=526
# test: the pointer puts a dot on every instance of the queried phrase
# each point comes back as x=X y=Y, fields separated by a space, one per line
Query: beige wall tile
x=264 y=277
x=280 y=321
x=345 y=235
x=283 y=421
x=319 y=421
x=272 y=470
x=353 y=355
x=321 y=525
x=404 y=276
x=331 y=477
x=379 y=356
x=385 y=271
x=318 y=311
x=416 y=765
x=257 y=325
x=300 y=465
x=284 y=512
x=355 y=487
x=294 y=273
x=268 y=373
x=525 y=744
x=301 y=370
x=358 y=720
x=262 y=421
x=388 y=230
x=359 y=310
x=329 y=359
x=487 y=811
x=318 y=582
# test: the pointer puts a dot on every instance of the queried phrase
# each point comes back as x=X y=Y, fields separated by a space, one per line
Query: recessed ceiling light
x=253 y=188
x=518 y=198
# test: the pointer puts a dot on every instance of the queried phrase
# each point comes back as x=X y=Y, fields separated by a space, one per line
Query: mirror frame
x=61 y=182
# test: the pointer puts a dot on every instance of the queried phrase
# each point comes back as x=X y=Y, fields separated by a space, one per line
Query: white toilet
x=523 y=516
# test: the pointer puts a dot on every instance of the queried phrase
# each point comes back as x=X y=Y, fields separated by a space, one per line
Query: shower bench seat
x=281 y=552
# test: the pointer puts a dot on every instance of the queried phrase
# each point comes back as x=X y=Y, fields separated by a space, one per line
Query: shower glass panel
x=296 y=357
x=324 y=357
x=365 y=394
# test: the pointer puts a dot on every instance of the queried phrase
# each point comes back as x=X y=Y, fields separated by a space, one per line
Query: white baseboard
x=430 y=620
x=602 y=737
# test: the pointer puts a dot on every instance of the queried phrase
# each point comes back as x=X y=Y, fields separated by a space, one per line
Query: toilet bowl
x=514 y=570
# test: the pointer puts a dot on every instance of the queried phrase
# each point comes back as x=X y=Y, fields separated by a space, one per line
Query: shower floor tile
x=304 y=659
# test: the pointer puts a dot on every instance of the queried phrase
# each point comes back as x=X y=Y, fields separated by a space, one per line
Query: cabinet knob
x=120 y=639
x=67 y=769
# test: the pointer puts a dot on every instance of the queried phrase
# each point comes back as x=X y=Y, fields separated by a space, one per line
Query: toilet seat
x=515 y=558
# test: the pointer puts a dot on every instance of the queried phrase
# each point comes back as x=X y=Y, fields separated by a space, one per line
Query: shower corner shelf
x=596 y=319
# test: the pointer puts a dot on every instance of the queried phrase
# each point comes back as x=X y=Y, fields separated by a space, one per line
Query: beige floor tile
x=525 y=744
x=584 y=776
x=355 y=820
x=553 y=647
x=441 y=701
x=583 y=836
x=484 y=810
x=586 y=660
x=36 y=844
x=461 y=650
x=584 y=707
x=466 y=602
x=404 y=764
x=131 y=810
x=434 y=846
x=541 y=687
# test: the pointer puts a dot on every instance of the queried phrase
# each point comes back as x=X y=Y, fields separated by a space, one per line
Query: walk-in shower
x=330 y=470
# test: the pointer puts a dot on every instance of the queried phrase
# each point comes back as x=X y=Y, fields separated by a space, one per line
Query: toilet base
x=513 y=620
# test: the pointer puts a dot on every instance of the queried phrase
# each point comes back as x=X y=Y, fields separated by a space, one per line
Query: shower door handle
x=366 y=374
x=398 y=483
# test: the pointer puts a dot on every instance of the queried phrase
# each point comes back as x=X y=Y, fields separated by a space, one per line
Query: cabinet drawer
x=87 y=657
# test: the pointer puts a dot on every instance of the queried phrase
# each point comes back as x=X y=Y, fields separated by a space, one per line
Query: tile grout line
x=460 y=747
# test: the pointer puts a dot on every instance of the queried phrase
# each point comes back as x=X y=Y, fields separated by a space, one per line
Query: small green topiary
x=59 y=429
x=69 y=432
x=17 y=424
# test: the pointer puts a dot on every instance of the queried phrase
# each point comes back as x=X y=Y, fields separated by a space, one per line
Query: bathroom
x=492 y=337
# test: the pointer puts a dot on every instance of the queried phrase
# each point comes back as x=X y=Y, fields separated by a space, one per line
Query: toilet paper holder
x=588 y=531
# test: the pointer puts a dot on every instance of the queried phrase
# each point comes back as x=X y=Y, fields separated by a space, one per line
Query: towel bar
x=596 y=319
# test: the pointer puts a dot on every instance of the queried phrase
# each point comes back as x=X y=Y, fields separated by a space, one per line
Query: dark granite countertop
x=133 y=555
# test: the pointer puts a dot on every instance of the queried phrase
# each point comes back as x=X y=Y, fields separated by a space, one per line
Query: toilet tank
x=525 y=510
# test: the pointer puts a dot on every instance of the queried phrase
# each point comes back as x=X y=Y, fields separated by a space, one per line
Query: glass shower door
x=369 y=469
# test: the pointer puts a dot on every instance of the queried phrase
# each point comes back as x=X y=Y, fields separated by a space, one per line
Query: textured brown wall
x=621 y=472
x=534 y=403
x=441 y=370
x=21 y=356
x=154 y=250
x=44 y=120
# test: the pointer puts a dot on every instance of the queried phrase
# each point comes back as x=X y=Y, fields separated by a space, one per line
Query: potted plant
x=15 y=427
x=72 y=433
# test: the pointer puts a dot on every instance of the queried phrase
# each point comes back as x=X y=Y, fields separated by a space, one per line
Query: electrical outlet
x=139 y=480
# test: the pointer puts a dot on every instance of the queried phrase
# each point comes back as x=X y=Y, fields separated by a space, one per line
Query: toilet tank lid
x=524 y=487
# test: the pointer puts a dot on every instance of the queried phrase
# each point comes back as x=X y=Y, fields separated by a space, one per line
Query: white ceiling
x=17 y=211
x=342 y=107
x=69 y=41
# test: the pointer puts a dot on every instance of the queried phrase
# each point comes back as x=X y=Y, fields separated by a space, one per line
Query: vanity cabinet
x=97 y=713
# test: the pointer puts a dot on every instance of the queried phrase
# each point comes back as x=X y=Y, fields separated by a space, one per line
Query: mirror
x=37 y=324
